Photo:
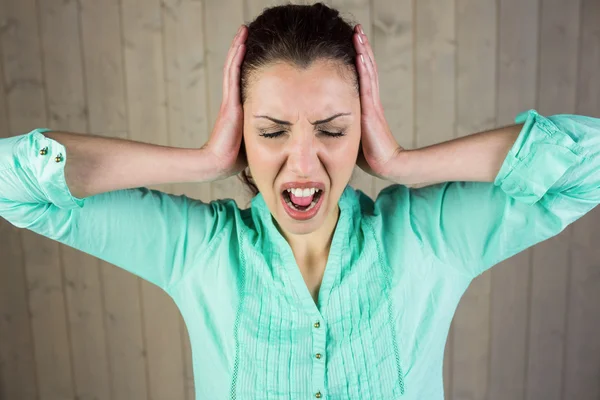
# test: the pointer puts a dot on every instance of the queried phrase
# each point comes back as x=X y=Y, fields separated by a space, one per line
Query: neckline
x=282 y=258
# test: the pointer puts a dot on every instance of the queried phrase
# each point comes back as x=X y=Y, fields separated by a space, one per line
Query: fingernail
x=360 y=38
x=361 y=30
x=362 y=59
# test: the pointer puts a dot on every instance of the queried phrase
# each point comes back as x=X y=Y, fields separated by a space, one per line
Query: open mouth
x=302 y=204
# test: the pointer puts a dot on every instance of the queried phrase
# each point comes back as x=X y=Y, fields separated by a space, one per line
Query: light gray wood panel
x=146 y=95
x=107 y=115
x=582 y=342
x=123 y=321
x=186 y=83
x=435 y=91
x=559 y=30
x=588 y=81
x=18 y=378
x=17 y=358
x=517 y=69
x=27 y=106
x=255 y=7
x=59 y=24
x=582 y=347
x=188 y=123
x=475 y=112
x=435 y=52
x=392 y=43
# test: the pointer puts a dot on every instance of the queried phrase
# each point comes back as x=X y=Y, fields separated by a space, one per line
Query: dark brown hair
x=299 y=35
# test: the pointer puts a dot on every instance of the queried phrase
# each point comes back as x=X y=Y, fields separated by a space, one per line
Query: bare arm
x=476 y=158
x=102 y=164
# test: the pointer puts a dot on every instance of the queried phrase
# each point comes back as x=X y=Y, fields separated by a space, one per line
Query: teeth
x=303 y=192
x=310 y=207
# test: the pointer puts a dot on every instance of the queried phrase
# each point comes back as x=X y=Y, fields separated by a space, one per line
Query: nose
x=303 y=160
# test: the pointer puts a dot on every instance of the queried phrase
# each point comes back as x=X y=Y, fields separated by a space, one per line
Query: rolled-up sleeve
x=540 y=156
x=33 y=170
x=146 y=232
x=549 y=179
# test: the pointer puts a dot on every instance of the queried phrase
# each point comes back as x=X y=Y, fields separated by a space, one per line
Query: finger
x=239 y=38
x=368 y=79
x=361 y=47
x=234 y=75
x=364 y=47
x=366 y=44
x=372 y=75
x=365 y=83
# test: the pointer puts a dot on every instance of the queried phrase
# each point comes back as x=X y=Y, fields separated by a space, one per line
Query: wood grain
x=475 y=112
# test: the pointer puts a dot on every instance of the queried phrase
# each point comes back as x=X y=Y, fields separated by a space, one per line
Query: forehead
x=287 y=89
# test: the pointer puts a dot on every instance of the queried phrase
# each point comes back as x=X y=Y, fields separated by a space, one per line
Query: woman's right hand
x=224 y=145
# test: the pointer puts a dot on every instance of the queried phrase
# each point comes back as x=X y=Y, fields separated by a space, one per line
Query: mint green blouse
x=397 y=267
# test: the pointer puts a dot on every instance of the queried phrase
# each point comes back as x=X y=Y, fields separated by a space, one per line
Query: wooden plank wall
x=72 y=326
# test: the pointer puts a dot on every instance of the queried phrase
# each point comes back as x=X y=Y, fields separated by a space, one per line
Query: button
x=318 y=395
x=58 y=158
x=44 y=151
x=318 y=355
x=317 y=324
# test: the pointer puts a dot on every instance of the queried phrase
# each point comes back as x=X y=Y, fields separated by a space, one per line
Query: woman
x=316 y=290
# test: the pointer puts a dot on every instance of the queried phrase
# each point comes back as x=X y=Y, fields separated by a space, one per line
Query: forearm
x=97 y=164
x=477 y=157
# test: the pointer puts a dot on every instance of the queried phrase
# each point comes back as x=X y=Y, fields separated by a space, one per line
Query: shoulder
x=213 y=220
x=388 y=215
x=388 y=202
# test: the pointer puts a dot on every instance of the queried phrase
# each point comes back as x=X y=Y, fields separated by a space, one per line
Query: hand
x=225 y=143
x=378 y=146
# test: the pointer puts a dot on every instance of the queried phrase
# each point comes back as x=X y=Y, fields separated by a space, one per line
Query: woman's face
x=289 y=102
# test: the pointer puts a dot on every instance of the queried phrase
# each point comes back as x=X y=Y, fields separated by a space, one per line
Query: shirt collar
x=278 y=253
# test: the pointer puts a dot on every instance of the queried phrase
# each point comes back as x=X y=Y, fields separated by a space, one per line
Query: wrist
x=404 y=168
x=201 y=166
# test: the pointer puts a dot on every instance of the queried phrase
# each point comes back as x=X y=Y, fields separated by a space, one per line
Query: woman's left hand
x=378 y=146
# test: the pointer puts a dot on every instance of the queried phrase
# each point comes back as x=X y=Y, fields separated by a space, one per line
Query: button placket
x=319 y=333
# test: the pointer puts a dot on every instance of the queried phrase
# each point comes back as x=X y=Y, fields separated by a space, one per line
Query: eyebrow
x=321 y=121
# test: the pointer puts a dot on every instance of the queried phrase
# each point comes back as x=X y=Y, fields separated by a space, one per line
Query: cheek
x=263 y=162
x=255 y=148
x=263 y=152
x=346 y=147
x=339 y=155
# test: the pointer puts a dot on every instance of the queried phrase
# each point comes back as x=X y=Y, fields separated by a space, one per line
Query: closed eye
x=279 y=133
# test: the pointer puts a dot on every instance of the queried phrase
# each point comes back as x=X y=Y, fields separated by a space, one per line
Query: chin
x=301 y=228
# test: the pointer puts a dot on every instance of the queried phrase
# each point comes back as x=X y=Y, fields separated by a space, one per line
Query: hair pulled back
x=299 y=35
